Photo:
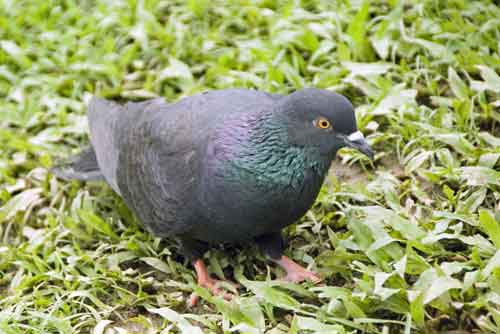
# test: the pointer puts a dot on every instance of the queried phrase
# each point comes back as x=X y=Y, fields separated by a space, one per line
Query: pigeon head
x=322 y=120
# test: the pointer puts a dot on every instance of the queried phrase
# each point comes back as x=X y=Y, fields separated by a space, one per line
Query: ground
x=408 y=243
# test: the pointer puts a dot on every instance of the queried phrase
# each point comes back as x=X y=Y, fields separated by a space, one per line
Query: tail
x=82 y=166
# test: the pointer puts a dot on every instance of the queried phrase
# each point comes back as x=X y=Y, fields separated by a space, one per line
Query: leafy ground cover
x=406 y=244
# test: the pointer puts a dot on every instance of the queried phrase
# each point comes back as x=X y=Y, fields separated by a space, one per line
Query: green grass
x=407 y=244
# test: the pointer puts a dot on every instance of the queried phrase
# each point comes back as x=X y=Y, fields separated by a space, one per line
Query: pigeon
x=223 y=166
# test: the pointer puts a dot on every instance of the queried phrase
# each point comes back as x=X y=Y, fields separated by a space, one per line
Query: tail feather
x=82 y=166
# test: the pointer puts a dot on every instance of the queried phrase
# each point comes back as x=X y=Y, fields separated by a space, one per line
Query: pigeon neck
x=265 y=154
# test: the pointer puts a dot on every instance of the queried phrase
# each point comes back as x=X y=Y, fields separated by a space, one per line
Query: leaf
x=400 y=267
x=470 y=278
x=366 y=234
x=452 y=268
x=78 y=294
x=101 y=326
x=15 y=52
x=48 y=135
x=492 y=264
x=472 y=202
x=272 y=295
x=382 y=39
x=318 y=327
x=439 y=286
x=179 y=320
x=157 y=264
x=366 y=69
x=199 y=7
x=379 y=289
x=342 y=294
x=95 y=222
x=416 y=161
x=408 y=326
x=292 y=74
x=458 y=87
x=115 y=259
x=491 y=226
x=491 y=80
x=90 y=68
x=254 y=317
x=309 y=40
x=488 y=160
x=20 y=202
x=417 y=308
x=380 y=243
x=7 y=75
x=435 y=49
x=377 y=215
x=138 y=94
x=445 y=156
x=232 y=311
x=247 y=77
x=62 y=325
x=457 y=141
x=140 y=34
x=483 y=244
x=381 y=45
x=176 y=69
x=357 y=31
x=332 y=292
x=479 y=176
x=490 y=139
x=394 y=99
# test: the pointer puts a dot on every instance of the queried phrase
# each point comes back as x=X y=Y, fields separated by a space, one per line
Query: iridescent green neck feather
x=257 y=150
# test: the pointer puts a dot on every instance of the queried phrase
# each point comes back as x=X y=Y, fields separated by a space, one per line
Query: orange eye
x=322 y=123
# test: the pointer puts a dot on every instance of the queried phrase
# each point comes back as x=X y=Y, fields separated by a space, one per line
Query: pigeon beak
x=357 y=140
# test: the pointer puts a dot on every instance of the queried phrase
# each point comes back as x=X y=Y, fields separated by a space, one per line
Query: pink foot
x=205 y=281
x=295 y=273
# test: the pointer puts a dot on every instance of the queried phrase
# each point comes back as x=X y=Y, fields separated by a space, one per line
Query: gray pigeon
x=223 y=166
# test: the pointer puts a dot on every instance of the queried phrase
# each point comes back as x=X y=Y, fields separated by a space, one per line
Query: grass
x=407 y=244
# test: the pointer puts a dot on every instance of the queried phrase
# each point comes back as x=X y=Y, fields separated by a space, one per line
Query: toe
x=193 y=300
x=221 y=284
x=216 y=287
x=297 y=277
x=313 y=277
x=295 y=273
